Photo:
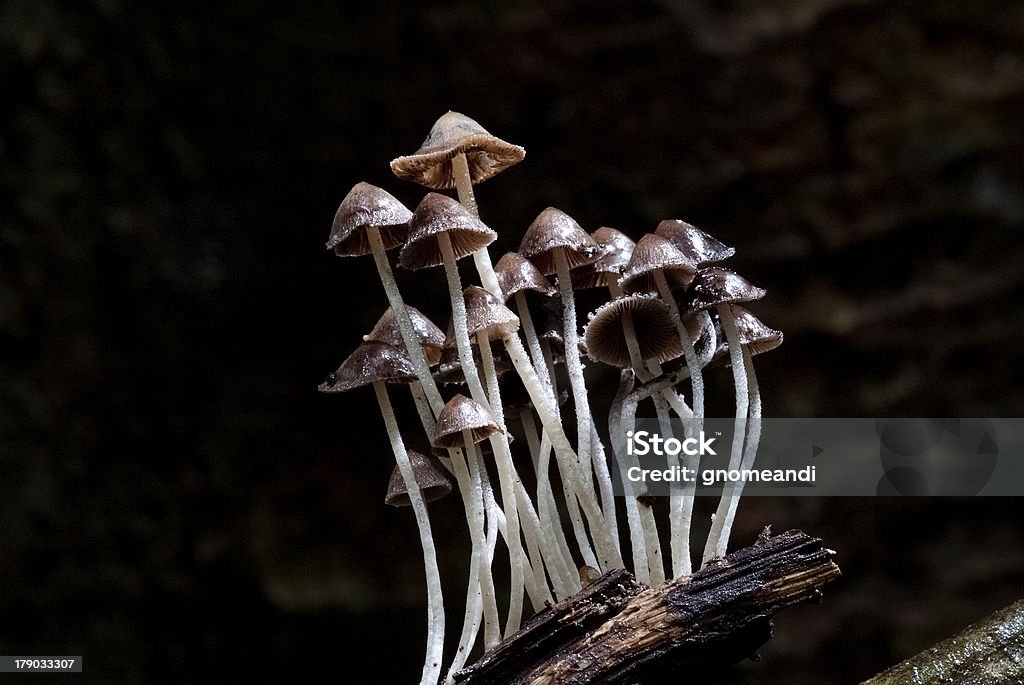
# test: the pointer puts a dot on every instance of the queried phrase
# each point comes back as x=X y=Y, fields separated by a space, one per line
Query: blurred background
x=177 y=502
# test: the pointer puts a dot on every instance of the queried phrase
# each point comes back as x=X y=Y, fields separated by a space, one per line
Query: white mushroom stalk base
x=435 y=601
x=718 y=537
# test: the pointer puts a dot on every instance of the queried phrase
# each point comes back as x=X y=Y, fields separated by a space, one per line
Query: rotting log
x=990 y=652
x=617 y=631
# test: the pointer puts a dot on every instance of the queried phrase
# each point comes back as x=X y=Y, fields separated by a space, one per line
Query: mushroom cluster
x=671 y=312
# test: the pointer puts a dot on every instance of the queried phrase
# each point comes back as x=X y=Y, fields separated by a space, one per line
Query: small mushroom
x=431 y=482
x=656 y=331
x=376 y=363
x=430 y=336
x=699 y=247
x=616 y=249
x=516 y=276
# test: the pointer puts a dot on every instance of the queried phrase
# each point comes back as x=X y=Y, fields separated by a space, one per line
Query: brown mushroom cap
x=553 y=230
x=516 y=273
x=486 y=313
x=438 y=214
x=652 y=320
x=431 y=337
x=449 y=368
x=432 y=482
x=699 y=247
x=461 y=414
x=431 y=165
x=753 y=333
x=365 y=206
x=616 y=249
x=655 y=253
x=371 y=362
x=715 y=285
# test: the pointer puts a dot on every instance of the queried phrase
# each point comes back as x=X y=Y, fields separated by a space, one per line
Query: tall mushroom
x=657 y=266
x=375 y=363
x=516 y=276
x=715 y=287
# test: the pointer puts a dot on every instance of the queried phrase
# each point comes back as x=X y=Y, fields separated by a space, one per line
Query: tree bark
x=618 y=631
x=990 y=652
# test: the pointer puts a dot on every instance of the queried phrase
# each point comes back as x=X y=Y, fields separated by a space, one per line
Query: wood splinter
x=618 y=631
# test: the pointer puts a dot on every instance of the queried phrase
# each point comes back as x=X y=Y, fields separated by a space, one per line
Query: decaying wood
x=617 y=631
x=990 y=652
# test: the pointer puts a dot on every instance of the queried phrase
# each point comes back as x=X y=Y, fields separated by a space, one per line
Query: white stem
x=492 y=629
x=718 y=537
x=464 y=183
x=532 y=341
x=655 y=560
x=604 y=481
x=753 y=439
x=696 y=378
x=628 y=331
x=435 y=602
x=678 y=540
x=625 y=462
x=573 y=363
x=412 y=341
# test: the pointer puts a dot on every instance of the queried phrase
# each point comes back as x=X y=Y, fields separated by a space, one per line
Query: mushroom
x=430 y=481
x=717 y=287
x=370 y=219
x=516 y=276
x=375 y=363
x=754 y=338
x=698 y=247
x=430 y=336
x=657 y=266
x=656 y=331
x=458 y=152
x=462 y=424
x=555 y=243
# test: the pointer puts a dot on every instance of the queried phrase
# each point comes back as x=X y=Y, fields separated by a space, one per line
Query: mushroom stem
x=696 y=378
x=655 y=559
x=435 y=601
x=628 y=331
x=618 y=437
x=492 y=628
x=568 y=461
x=718 y=537
x=533 y=342
x=574 y=366
x=409 y=337
x=464 y=185
x=679 y=549
x=682 y=504
x=749 y=449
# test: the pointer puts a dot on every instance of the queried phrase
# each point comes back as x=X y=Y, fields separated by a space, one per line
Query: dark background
x=176 y=500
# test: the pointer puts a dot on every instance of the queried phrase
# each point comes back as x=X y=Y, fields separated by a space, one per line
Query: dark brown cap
x=438 y=214
x=371 y=362
x=460 y=414
x=655 y=328
x=654 y=253
x=553 y=230
x=516 y=273
x=431 y=165
x=431 y=337
x=616 y=249
x=486 y=313
x=365 y=206
x=715 y=285
x=753 y=334
x=699 y=247
x=432 y=482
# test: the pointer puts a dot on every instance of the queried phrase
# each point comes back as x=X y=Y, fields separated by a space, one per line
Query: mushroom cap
x=715 y=285
x=553 y=230
x=655 y=253
x=655 y=329
x=461 y=414
x=364 y=206
x=370 y=362
x=438 y=214
x=486 y=313
x=431 y=165
x=699 y=247
x=517 y=273
x=753 y=333
x=616 y=249
x=431 y=337
x=432 y=482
